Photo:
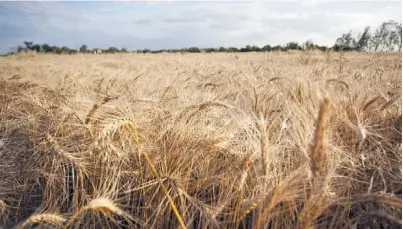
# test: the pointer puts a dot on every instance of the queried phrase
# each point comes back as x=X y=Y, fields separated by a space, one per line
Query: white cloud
x=182 y=24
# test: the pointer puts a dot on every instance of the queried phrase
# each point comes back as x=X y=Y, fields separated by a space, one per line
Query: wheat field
x=225 y=140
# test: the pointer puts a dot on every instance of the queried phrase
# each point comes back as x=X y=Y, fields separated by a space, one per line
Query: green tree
x=222 y=49
x=255 y=48
x=209 y=50
x=65 y=49
x=83 y=48
x=247 y=48
x=321 y=48
x=193 y=50
x=46 y=48
x=266 y=48
x=36 y=48
x=292 y=46
x=113 y=50
x=233 y=49
x=56 y=49
x=72 y=51
x=251 y=48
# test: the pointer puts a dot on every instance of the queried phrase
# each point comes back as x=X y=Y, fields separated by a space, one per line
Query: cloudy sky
x=178 y=24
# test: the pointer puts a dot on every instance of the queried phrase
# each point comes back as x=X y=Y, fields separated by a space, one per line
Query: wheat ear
x=318 y=155
x=153 y=169
x=44 y=218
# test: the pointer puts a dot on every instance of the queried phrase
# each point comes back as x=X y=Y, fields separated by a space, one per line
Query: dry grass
x=246 y=140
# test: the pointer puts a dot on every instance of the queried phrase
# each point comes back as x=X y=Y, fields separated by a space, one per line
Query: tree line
x=387 y=37
x=46 y=48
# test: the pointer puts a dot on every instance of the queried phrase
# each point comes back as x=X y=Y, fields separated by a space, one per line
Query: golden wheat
x=44 y=218
x=201 y=140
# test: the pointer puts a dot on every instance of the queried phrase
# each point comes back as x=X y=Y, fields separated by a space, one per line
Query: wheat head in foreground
x=318 y=154
x=45 y=218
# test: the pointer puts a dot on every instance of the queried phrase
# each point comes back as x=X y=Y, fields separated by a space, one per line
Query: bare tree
x=387 y=36
x=29 y=44
x=399 y=35
x=306 y=45
x=364 y=39
x=346 y=42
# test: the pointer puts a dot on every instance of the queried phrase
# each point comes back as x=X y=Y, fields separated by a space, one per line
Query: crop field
x=210 y=140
